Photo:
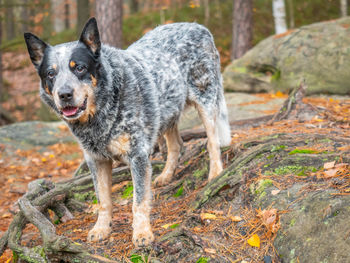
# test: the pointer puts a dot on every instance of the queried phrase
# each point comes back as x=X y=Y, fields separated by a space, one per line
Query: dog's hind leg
x=209 y=120
x=173 y=142
x=101 y=172
x=141 y=173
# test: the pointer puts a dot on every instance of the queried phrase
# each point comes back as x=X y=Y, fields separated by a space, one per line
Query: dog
x=117 y=103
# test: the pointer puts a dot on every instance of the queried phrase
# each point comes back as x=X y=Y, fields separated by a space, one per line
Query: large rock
x=316 y=226
x=318 y=53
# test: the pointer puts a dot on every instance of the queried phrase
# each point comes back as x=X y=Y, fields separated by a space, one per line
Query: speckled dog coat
x=118 y=102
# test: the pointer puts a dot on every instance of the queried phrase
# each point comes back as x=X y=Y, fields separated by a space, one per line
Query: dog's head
x=68 y=72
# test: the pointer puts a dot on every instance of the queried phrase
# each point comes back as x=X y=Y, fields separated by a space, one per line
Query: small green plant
x=128 y=191
x=179 y=191
x=203 y=260
x=138 y=258
x=173 y=226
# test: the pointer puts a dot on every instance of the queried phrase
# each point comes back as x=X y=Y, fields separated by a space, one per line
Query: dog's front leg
x=101 y=172
x=141 y=175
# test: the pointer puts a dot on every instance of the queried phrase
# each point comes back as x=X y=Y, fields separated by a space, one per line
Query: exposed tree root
x=43 y=195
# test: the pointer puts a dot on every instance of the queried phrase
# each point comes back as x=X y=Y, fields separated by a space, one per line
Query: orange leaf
x=254 y=241
x=329 y=165
x=236 y=218
x=330 y=173
x=207 y=216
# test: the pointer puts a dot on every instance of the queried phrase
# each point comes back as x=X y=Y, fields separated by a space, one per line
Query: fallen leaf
x=330 y=173
x=328 y=165
x=340 y=165
x=279 y=94
x=207 y=216
x=254 y=241
x=6 y=215
x=275 y=192
x=236 y=218
x=270 y=219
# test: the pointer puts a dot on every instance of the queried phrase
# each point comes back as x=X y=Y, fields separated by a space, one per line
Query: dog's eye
x=80 y=69
x=51 y=74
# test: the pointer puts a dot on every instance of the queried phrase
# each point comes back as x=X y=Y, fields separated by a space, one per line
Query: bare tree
x=206 y=12
x=83 y=9
x=344 y=7
x=242 y=27
x=134 y=6
x=279 y=14
x=291 y=13
x=109 y=14
x=24 y=15
x=66 y=15
x=10 y=20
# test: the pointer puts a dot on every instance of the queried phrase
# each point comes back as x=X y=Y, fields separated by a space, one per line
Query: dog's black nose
x=65 y=94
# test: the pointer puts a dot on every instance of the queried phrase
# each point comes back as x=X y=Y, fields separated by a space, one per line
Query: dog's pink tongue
x=70 y=111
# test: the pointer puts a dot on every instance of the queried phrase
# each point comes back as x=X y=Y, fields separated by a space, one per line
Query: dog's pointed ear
x=36 y=48
x=91 y=37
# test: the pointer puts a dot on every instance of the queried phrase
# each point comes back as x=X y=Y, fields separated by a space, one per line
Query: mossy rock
x=318 y=53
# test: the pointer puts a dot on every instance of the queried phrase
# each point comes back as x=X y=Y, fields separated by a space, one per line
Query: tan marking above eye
x=47 y=90
x=93 y=80
x=72 y=64
x=54 y=66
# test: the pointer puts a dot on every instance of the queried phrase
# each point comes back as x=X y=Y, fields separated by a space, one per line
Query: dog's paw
x=162 y=180
x=142 y=238
x=99 y=233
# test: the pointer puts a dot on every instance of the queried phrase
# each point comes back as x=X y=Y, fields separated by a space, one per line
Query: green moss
x=292 y=222
x=292 y=169
x=200 y=173
x=260 y=186
x=303 y=151
x=270 y=156
x=277 y=148
x=82 y=197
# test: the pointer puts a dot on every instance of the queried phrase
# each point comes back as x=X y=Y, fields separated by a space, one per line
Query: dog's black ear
x=36 y=48
x=91 y=37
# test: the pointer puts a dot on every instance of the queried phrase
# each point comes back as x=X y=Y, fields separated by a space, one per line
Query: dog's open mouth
x=72 y=112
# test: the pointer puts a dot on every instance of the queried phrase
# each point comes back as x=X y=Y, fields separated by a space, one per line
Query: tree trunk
x=242 y=27
x=134 y=6
x=291 y=13
x=344 y=7
x=10 y=20
x=66 y=15
x=24 y=15
x=206 y=12
x=279 y=14
x=109 y=15
x=83 y=9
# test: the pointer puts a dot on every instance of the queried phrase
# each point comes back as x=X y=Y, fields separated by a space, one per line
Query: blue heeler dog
x=118 y=102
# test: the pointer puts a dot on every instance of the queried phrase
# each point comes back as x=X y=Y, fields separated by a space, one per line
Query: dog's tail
x=223 y=126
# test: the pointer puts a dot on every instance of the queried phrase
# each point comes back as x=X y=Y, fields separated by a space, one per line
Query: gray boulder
x=318 y=53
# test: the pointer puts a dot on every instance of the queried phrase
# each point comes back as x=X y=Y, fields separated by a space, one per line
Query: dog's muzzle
x=73 y=111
